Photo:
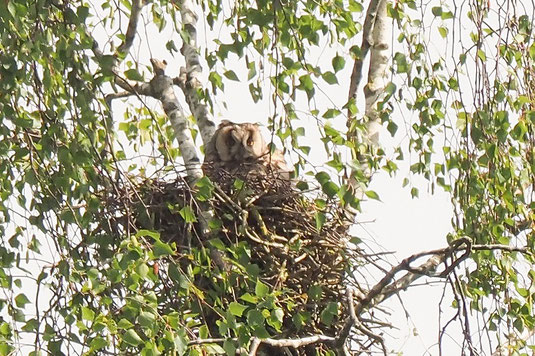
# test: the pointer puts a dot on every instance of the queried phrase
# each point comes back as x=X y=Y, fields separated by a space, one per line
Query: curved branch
x=124 y=47
x=387 y=286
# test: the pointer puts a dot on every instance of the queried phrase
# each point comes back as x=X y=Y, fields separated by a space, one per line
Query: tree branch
x=189 y=79
x=375 y=38
x=367 y=41
x=161 y=87
x=386 y=287
x=379 y=55
x=124 y=47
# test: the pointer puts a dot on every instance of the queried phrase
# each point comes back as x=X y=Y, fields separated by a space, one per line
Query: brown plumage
x=241 y=148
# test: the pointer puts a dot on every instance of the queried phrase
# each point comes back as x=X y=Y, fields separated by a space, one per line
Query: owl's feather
x=241 y=148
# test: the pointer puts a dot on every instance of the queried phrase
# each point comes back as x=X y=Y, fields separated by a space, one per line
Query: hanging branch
x=189 y=79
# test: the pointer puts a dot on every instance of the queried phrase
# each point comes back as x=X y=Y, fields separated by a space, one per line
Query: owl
x=241 y=148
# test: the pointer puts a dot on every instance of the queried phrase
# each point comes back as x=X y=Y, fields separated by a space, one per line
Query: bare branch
x=209 y=341
x=110 y=97
x=254 y=346
x=294 y=343
x=386 y=287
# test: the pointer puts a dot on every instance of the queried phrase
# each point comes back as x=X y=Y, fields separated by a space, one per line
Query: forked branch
x=161 y=88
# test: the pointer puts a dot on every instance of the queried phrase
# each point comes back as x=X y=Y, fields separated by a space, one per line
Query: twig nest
x=268 y=251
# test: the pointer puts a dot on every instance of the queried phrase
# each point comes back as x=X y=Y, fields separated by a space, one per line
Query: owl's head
x=234 y=142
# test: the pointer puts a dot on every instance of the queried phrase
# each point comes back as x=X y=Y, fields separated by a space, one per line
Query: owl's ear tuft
x=235 y=134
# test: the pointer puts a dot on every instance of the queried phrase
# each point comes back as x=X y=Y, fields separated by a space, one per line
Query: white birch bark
x=190 y=77
x=377 y=73
x=162 y=89
x=376 y=35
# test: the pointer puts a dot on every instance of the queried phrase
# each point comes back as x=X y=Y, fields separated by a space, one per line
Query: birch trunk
x=377 y=73
x=376 y=35
x=190 y=81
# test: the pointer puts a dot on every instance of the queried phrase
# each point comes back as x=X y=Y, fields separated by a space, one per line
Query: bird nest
x=268 y=243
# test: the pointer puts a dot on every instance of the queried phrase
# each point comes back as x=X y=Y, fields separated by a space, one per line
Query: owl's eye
x=250 y=142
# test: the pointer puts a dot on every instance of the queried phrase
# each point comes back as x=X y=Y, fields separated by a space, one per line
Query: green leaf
x=21 y=300
x=133 y=74
x=204 y=332
x=322 y=177
x=330 y=78
x=330 y=188
x=320 y=220
x=252 y=71
x=214 y=349
x=314 y=292
x=437 y=11
x=338 y=63
x=261 y=290
x=124 y=324
x=231 y=75
x=161 y=249
x=98 y=343
x=247 y=297
x=188 y=215
x=143 y=233
x=330 y=113
x=31 y=325
x=218 y=244
x=230 y=347
x=88 y=314
x=261 y=332
x=236 y=308
x=255 y=318
x=132 y=338
x=372 y=195
x=329 y=313
x=146 y=319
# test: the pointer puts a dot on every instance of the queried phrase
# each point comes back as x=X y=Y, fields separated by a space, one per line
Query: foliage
x=469 y=117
